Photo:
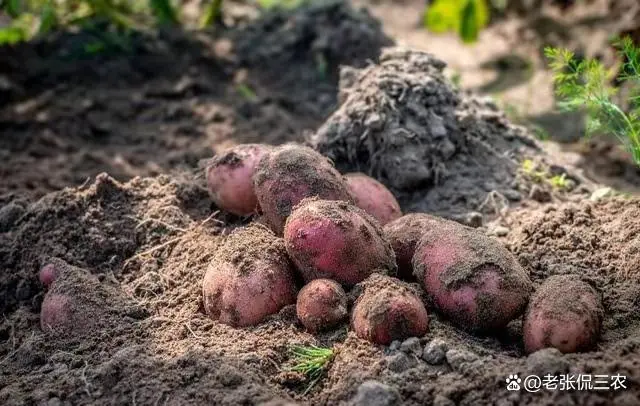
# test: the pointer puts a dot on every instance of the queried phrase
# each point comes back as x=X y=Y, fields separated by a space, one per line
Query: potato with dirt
x=387 y=310
x=404 y=234
x=230 y=178
x=564 y=313
x=336 y=240
x=321 y=305
x=373 y=197
x=76 y=303
x=291 y=173
x=249 y=278
x=471 y=278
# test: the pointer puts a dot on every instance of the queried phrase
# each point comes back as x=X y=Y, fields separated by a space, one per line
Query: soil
x=133 y=246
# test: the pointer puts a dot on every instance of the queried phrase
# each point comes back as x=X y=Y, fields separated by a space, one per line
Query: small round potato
x=388 y=310
x=321 y=305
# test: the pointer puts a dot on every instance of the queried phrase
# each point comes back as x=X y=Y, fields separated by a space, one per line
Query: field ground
x=134 y=244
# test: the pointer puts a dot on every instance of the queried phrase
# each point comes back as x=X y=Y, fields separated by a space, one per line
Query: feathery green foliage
x=311 y=361
x=585 y=86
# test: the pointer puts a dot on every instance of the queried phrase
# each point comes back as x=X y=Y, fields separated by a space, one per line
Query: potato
x=336 y=240
x=78 y=304
x=388 y=310
x=321 y=305
x=473 y=280
x=404 y=234
x=564 y=313
x=48 y=274
x=56 y=312
x=249 y=278
x=373 y=197
x=291 y=173
x=230 y=178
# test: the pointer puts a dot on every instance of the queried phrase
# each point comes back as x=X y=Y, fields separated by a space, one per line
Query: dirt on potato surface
x=145 y=244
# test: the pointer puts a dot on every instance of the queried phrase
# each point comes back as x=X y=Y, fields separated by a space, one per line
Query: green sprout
x=585 y=86
x=311 y=361
x=559 y=181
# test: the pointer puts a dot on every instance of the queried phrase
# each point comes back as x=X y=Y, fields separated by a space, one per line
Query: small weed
x=311 y=361
x=533 y=172
x=559 y=182
x=585 y=86
x=246 y=92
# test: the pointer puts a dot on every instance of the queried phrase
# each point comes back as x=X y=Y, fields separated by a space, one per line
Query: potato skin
x=373 y=197
x=291 y=173
x=48 y=274
x=230 y=178
x=388 y=310
x=564 y=313
x=404 y=234
x=336 y=240
x=321 y=305
x=473 y=280
x=56 y=312
x=249 y=278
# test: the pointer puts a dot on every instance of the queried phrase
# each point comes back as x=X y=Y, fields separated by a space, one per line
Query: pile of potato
x=326 y=232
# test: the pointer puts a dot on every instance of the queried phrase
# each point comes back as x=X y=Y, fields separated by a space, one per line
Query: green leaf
x=465 y=17
x=212 y=14
x=164 y=12
x=12 y=7
x=475 y=16
x=48 y=18
x=443 y=16
x=12 y=35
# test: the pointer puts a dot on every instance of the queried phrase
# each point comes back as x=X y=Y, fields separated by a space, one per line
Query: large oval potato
x=336 y=240
x=473 y=280
x=404 y=234
x=564 y=313
x=249 y=278
x=291 y=173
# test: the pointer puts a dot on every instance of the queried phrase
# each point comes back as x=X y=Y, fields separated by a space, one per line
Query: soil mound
x=441 y=151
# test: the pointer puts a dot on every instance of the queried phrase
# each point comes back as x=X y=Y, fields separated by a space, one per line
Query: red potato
x=564 y=313
x=56 y=312
x=388 y=310
x=78 y=304
x=249 y=278
x=321 y=305
x=230 y=178
x=404 y=234
x=291 y=173
x=373 y=197
x=48 y=274
x=336 y=240
x=473 y=280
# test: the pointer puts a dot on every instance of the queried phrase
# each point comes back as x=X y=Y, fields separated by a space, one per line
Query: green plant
x=585 y=86
x=311 y=361
x=36 y=17
x=465 y=17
